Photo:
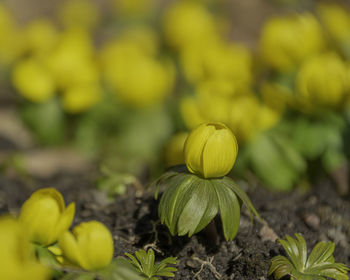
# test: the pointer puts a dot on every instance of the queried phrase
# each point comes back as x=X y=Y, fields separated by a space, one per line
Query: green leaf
x=230 y=209
x=46 y=120
x=174 y=199
x=270 y=165
x=318 y=266
x=200 y=209
x=146 y=267
x=242 y=196
x=120 y=269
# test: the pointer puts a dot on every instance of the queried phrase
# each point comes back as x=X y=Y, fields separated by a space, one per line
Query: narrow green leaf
x=242 y=196
x=194 y=215
x=230 y=210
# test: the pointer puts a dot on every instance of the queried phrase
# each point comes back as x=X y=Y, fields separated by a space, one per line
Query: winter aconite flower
x=17 y=259
x=90 y=246
x=45 y=216
x=211 y=150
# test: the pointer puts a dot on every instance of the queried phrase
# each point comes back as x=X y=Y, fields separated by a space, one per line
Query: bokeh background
x=116 y=85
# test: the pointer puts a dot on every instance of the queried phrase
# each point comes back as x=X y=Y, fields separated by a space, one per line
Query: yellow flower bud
x=210 y=150
x=17 y=258
x=323 y=81
x=33 y=80
x=45 y=216
x=90 y=246
x=174 y=149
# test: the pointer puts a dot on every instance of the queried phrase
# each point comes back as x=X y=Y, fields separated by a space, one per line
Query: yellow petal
x=194 y=146
x=39 y=217
x=95 y=243
x=219 y=153
x=65 y=220
x=71 y=250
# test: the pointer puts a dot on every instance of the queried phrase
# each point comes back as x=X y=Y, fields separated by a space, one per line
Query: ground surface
x=319 y=216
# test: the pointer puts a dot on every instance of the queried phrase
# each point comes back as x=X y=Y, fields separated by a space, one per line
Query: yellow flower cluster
x=44 y=220
x=220 y=72
x=65 y=62
x=133 y=69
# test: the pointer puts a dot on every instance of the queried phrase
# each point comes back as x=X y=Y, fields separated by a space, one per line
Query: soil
x=319 y=215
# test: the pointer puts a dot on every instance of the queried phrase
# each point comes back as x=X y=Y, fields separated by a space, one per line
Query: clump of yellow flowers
x=193 y=196
x=43 y=224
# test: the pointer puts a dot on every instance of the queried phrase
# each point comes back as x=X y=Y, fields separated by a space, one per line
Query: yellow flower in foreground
x=33 y=81
x=90 y=246
x=17 y=259
x=174 y=149
x=211 y=150
x=323 y=80
x=45 y=216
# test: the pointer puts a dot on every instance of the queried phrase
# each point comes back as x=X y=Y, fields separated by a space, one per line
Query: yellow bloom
x=336 y=19
x=190 y=112
x=40 y=36
x=79 y=14
x=138 y=78
x=218 y=60
x=80 y=98
x=323 y=80
x=90 y=246
x=127 y=8
x=45 y=216
x=287 y=41
x=72 y=60
x=174 y=149
x=17 y=258
x=210 y=150
x=244 y=117
x=33 y=80
x=188 y=22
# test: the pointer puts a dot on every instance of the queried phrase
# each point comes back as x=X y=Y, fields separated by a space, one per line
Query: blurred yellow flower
x=17 y=258
x=210 y=150
x=40 y=36
x=79 y=14
x=138 y=78
x=33 y=80
x=80 y=98
x=218 y=60
x=11 y=45
x=287 y=41
x=90 y=246
x=336 y=19
x=72 y=61
x=188 y=22
x=244 y=117
x=127 y=8
x=190 y=112
x=323 y=81
x=45 y=217
x=174 y=149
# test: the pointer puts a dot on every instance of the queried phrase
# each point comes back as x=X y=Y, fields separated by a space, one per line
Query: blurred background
x=116 y=85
